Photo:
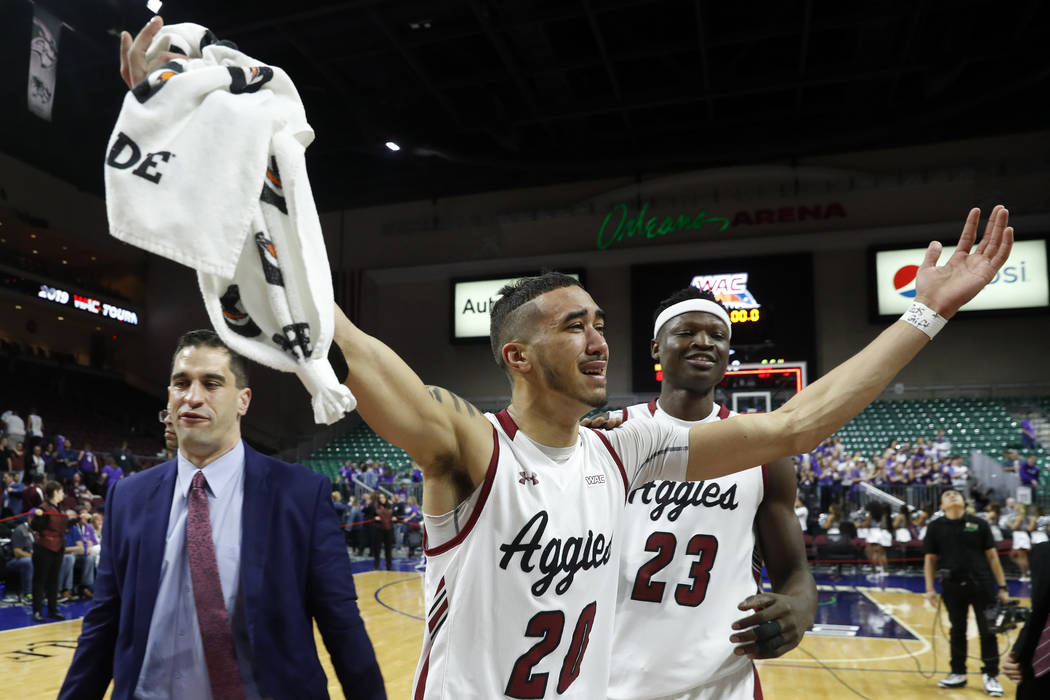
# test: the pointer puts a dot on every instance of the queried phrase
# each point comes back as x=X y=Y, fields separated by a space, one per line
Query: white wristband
x=924 y=318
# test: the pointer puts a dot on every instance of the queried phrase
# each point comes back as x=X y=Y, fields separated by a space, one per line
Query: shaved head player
x=523 y=509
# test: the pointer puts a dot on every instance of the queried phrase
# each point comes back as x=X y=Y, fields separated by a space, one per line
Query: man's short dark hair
x=51 y=488
x=207 y=338
x=685 y=295
x=503 y=328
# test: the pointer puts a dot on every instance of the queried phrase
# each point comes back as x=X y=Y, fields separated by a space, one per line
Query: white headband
x=684 y=307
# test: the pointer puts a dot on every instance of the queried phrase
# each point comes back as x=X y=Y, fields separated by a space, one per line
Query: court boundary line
x=391 y=608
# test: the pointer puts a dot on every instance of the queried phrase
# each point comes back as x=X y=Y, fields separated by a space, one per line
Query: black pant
x=958 y=597
x=385 y=538
x=1032 y=688
x=46 y=565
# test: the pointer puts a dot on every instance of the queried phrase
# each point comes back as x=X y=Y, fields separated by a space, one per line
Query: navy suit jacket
x=294 y=569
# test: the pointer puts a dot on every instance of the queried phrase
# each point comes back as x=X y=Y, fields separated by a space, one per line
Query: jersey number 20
x=703 y=547
x=548 y=625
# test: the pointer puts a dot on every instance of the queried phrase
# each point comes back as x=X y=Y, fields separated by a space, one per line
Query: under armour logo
x=526 y=476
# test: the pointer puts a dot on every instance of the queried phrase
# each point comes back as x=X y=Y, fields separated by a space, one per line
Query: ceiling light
x=32 y=235
x=18 y=306
x=393 y=146
x=92 y=258
x=61 y=318
x=35 y=252
x=65 y=247
x=65 y=262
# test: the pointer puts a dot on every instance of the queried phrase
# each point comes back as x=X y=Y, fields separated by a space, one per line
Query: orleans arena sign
x=620 y=224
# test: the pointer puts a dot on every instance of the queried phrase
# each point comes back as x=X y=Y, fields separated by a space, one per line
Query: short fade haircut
x=207 y=338
x=685 y=294
x=502 y=329
x=51 y=488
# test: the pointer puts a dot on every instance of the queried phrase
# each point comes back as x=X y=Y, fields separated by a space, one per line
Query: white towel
x=206 y=167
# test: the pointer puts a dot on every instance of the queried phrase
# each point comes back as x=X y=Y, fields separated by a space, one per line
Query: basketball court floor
x=873 y=638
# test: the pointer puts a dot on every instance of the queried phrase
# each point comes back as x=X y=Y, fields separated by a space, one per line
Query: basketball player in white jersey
x=686 y=564
x=522 y=509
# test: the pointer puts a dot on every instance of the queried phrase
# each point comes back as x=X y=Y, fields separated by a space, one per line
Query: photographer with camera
x=1029 y=661
x=959 y=547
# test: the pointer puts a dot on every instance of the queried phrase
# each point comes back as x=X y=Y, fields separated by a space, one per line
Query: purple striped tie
x=216 y=637
x=1041 y=656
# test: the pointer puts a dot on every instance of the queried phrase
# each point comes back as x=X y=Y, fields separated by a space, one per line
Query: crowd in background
x=35 y=470
x=836 y=511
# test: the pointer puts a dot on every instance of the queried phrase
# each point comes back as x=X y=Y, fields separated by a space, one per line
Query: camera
x=1005 y=616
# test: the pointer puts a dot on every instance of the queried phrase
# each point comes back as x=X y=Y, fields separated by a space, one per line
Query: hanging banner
x=43 y=60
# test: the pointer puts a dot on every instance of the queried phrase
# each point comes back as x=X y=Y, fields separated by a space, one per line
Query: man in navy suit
x=151 y=628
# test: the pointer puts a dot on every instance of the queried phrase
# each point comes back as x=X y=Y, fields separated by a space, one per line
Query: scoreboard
x=769 y=298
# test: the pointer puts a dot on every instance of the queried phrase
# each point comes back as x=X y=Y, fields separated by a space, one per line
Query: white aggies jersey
x=685 y=565
x=520 y=587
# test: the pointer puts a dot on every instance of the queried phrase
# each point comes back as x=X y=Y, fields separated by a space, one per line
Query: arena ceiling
x=492 y=94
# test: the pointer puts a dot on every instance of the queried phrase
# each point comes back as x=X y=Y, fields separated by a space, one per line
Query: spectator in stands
x=97 y=520
x=22 y=559
x=941 y=445
x=368 y=527
x=33 y=496
x=891 y=449
x=1028 y=437
x=125 y=459
x=417 y=474
x=18 y=461
x=12 y=496
x=111 y=474
x=370 y=477
x=807 y=487
x=340 y=507
x=1011 y=461
x=802 y=513
x=77 y=544
x=79 y=489
x=383 y=533
x=1029 y=473
x=50 y=526
x=399 y=517
x=353 y=529
x=90 y=469
x=34 y=430
x=35 y=463
x=958 y=472
x=1022 y=540
x=5 y=457
x=171 y=440
x=74 y=547
x=346 y=477
x=413 y=524
x=68 y=460
x=14 y=427
x=50 y=460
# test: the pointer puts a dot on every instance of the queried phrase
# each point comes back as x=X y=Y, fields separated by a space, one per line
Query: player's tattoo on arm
x=461 y=405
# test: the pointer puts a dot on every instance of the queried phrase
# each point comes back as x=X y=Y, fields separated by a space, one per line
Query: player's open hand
x=606 y=421
x=774 y=628
x=947 y=287
x=133 y=66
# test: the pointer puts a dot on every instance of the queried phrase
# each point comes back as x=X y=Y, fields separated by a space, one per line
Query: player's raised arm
x=719 y=448
x=447 y=436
